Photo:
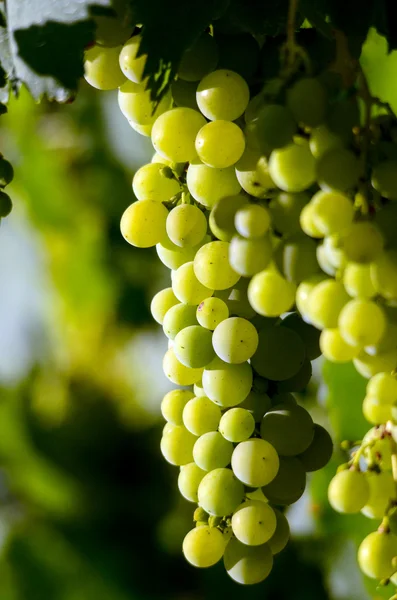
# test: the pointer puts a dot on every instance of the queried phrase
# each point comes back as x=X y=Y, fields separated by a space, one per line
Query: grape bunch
x=273 y=206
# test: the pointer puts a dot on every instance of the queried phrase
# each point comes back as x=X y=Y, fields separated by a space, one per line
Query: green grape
x=254 y=522
x=136 y=105
x=299 y=381
x=174 y=133
x=145 y=130
x=257 y=404
x=289 y=484
x=325 y=303
x=322 y=140
x=319 y=452
x=222 y=215
x=178 y=373
x=324 y=262
x=187 y=288
x=348 y=491
x=309 y=335
x=173 y=404
x=386 y=220
x=167 y=428
x=375 y=412
x=248 y=257
x=252 y=221
x=368 y=365
x=184 y=94
x=335 y=255
x=177 y=446
x=212 y=267
x=362 y=242
x=253 y=173
x=275 y=127
x=237 y=425
x=280 y=353
x=239 y=53
x=225 y=384
x=235 y=340
x=383 y=387
x=270 y=295
x=193 y=346
x=177 y=318
x=155 y=182
x=201 y=415
x=376 y=553
x=198 y=60
x=220 y=144
x=101 y=68
x=203 y=546
x=220 y=492
x=247 y=564
x=307 y=101
x=384 y=179
x=173 y=256
x=255 y=462
x=131 y=64
x=307 y=221
x=212 y=451
x=293 y=168
x=380 y=448
x=211 y=312
x=280 y=538
x=189 y=480
x=338 y=169
x=304 y=290
x=288 y=428
x=208 y=185
x=332 y=212
x=5 y=205
x=198 y=389
x=296 y=258
x=161 y=303
x=186 y=225
x=343 y=117
x=143 y=223
x=362 y=322
x=357 y=280
x=285 y=210
x=222 y=94
x=335 y=348
x=384 y=274
x=6 y=172
x=382 y=490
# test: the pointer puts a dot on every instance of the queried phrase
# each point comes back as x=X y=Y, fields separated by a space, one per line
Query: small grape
x=382 y=490
x=361 y=322
x=101 y=68
x=177 y=446
x=332 y=212
x=248 y=257
x=383 y=387
x=254 y=522
x=143 y=223
x=226 y=384
x=252 y=171
x=252 y=221
x=348 y=491
x=237 y=425
x=235 y=340
x=295 y=257
x=221 y=220
x=220 y=144
x=173 y=404
x=200 y=415
x=325 y=304
x=293 y=168
x=376 y=553
x=375 y=412
x=335 y=348
x=203 y=546
x=174 y=133
x=131 y=64
x=212 y=311
x=357 y=280
x=255 y=462
x=186 y=225
x=220 y=492
x=212 y=267
x=178 y=317
x=270 y=294
x=208 y=185
x=222 y=94
x=193 y=346
x=212 y=451
x=187 y=288
x=178 y=373
x=247 y=564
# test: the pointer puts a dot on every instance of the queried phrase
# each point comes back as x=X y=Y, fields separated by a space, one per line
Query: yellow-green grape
x=296 y=258
x=132 y=65
x=237 y=425
x=362 y=322
x=384 y=179
x=307 y=101
x=383 y=387
x=221 y=220
x=375 y=412
x=357 y=280
x=254 y=522
x=173 y=404
x=176 y=372
x=204 y=546
x=198 y=60
x=177 y=446
x=211 y=312
x=280 y=537
x=334 y=253
x=161 y=303
x=208 y=185
x=220 y=144
x=220 y=492
x=348 y=491
x=325 y=303
x=362 y=242
x=179 y=317
x=155 y=182
x=293 y=168
x=143 y=223
x=380 y=449
x=235 y=340
x=322 y=140
x=222 y=94
x=145 y=130
x=173 y=256
x=280 y=353
x=189 y=480
x=257 y=404
x=308 y=223
x=304 y=290
x=332 y=212
x=384 y=274
x=335 y=348
x=201 y=415
x=136 y=105
x=247 y=564
x=101 y=68
x=270 y=295
x=376 y=554
x=184 y=93
x=255 y=462
x=212 y=267
x=338 y=169
x=225 y=384
x=167 y=428
x=212 y=451
x=309 y=335
x=289 y=429
x=289 y=484
x=252 y=171
x=319 y=453
x=252 y=221
x=198 y=389
x=187 y=287
x=193 y=346
x=186 y=225
x=174 y=133
x=324 y=261
x=368 y=365
x=382 y=490
x=248 y=257
x=285 y=210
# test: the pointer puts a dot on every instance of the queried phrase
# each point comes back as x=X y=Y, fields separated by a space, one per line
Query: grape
x=334 y=254
x=319 y=452
x=309 y=335
x=332 y=212
x=211 y=312
x=220 y=492
x=382 y=490
x=177 y=318
x=362 y=242
x=252 y=221
x=131 y=64
x=143 y=223
x=189 y=480
x=375 y=412
x=288 y=428
x=362 y=322
x=222 y=94
x=335 y=348
x=208 y=185
x=383 y=387
x=299 y=381
x=380 y=448
x=184 y=93
x=212 y=451
x=322 y=140
x=212 y=268
x=198 y=60
x=177 y=446
x=376 y=553
x=253 y=173
x=324 y=261
x=255 y=462
x=254 y=522
x=247 y=564
x=275 y=127
x=280 y=538
x=237 y=425
x=357 y=280
x=257 y=404
x=173 y=404
x=285 y=211
x=338 y=169
x=293 y=168
x=187 y=288
x=325 y=303
x=296 y=257
x=270 y=294
x=304 y=290
x=307 y=221
x=201 y=415
x=235 y=340
x=348 y=491
x=222 y=215
x=5 y=204
x=289 y=484
x=173 y=256
x=136 y=105
x=384 y=179
x=220 y=144
x=101 y=68
x=161 y=303
x=239 y=53
x=248 y=257
x=280 y=353
x=203 y=546
x=368 y=365
x=174 y=133
x=176 y=372
x=307 y=101
x=384 y=274
x=186 y=225
x=152 y=182
x=6 y=172
x=225 y=384
x=193 y=346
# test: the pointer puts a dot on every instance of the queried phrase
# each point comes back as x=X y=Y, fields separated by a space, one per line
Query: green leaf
x=380 y=68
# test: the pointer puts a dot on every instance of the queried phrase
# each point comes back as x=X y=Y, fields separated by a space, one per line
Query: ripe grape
x=212 y=451
x=220 y=144
x=362 y=242
x=220 y=492
x=248 y=257
x=376 y=553
x=212 y=267
x=357 y=280
x=361 y=322
x=368 y=365
x=237 y=425
x=225 y=384
x=374 y=411
x=289 y=484
x=289 y=429
x=136 y=105
x=235 y=340
x=254 y=522
x=332 y=212
x=252 y=221
x=152 y=182
x=200 y=415
x=307 y=221
x=177 y=445
x=307 y=101
x=299 y=381
x=187 y=288
x=184 y=93
x=193 y=346
x=174 y=133
x=222 y=94
x=247 y=564
x=252 y=172
x=161 y=303
x=383 y=387
x=257 y=404
x=293 y=168
x=203 y=546
x=101 y=68
x=189 y=480
x=179 y=317
x=186 y=225
x=335 y=348
x=173 y=256
x=325 y=302
x=143 y=223
x=280 y=353
x=198 y=60
x=319 y=452
x=6 y=172
x=178 y=373
x=208 y=185
x=270 y=294
x=131 y=64
x=348 y=491
x=173 y=404
x=255 y=462
x=212 y=311
x=322 y=140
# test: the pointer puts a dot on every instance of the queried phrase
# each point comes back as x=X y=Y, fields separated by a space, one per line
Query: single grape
x=270 y=294
x=319 y=452
x=212 y=311
x=309 y=335
x=155 y=182
x=178 y=373
x=137 y=106
x=184 y=93
x=174 y=133
x=280 y=538
x=131 y=64
x=177 y=446
x=289 y=484
x=307 y=222
x=203 y=546
x=201 y=415
x=335 y=348
x=189 y=480
x=285 y=210
x=295 y=257
x=307 y=101
x=198 y=60
x=362 y=322
x=220 y=144
x=357 y=280
x=383 y=387
x=6 y=172
x=275 y=127
x=280 y=353
x=332 y=212
x=177 y=318
x=247 y=564
x=101 y=68
x=293 y=168
x=384 y=179
x=252 y=171
x=289 y=429
x=187 y=288
x=254 y=522
x=375 y=412
x=222 y=94
x=212 y=267
x=322 y=140
x=348 y=491
x=252 y=221
x=325 y=303
x=221 y=220
x=255 y=462
x=220 y=492
x=173 y=404
x=225 y=384
x=212 y=451
x=5 y=204
x=382 y=491
x=362 y=242
x=237 y=425
x=338 y=169
x=161 y=303
x=235 y=340
x=143 y=223
x=376 y=553
x=248 y=257
x=208 y=185
x=384 y=274
x=186 y=225
x=193 y=346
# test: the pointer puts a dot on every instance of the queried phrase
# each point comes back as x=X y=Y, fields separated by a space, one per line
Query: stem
x=293 y=6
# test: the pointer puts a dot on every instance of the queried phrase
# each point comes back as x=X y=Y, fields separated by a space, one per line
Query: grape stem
x=291 y=53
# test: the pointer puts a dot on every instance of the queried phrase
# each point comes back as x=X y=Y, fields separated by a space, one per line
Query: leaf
x=380 y=68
